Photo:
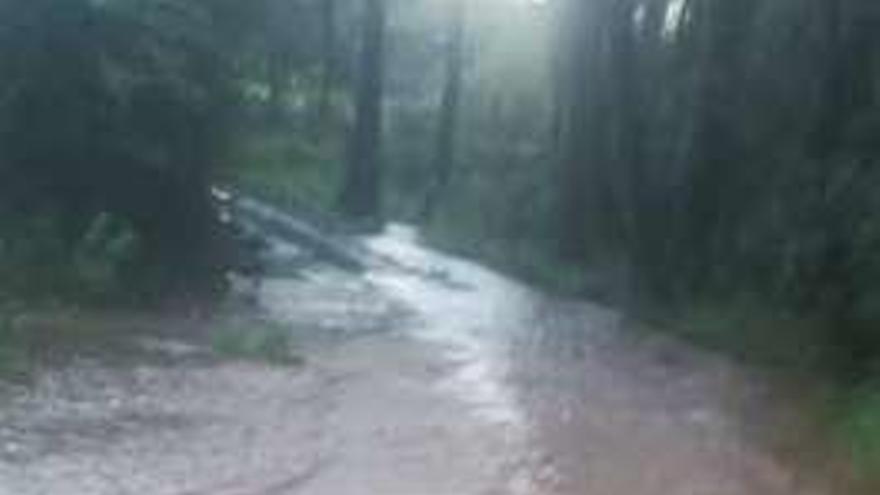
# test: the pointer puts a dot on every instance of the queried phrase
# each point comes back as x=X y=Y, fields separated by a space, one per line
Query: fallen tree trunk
x=301 y=233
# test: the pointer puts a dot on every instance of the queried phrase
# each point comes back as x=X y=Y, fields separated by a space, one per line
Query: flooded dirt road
x=604 y=410
x=427 y=376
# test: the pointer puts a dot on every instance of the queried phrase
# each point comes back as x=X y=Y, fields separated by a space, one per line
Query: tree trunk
x=626 y=157
x=588 y=187
x=278 y=81
x=716 y=144
x=361 y=192
x=575 y=203
x=561 y=80
x=444 y=157
x=329 y=69
x=847 y=82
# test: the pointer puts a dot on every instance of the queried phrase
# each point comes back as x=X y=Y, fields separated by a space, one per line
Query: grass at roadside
x=255 y=340
x=850 y=414
x=753 y=334
x=36 y=337
x=523 y=259
x=15 y=360
x=860 y=428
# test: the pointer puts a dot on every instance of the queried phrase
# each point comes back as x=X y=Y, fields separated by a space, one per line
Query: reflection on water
x=602 y=411
x=458 y=320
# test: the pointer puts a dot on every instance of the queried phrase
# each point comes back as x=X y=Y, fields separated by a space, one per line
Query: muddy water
x=599 y=409
x=428 y=376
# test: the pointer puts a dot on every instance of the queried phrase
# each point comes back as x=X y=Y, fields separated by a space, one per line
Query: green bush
x=256 y=341
x=15 y=363
x=123 y=107
x=286 y=170
x=861 y=429
x=37 y=262
x=101 y=258
x=754 y=333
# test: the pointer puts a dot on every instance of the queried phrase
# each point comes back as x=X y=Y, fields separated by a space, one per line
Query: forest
x=708 y=166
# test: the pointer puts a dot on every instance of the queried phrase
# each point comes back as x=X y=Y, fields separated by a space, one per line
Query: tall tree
x=447 y=126
x=329 y=69
x=361 y=198
x=575 y=202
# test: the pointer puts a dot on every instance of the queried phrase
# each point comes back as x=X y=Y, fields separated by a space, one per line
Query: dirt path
x=428 y=376
x=365 y=415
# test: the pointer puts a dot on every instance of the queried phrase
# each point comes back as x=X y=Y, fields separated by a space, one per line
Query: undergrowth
x=15 y=361
x=256 y=341
x=287 y=171
x=859 y=426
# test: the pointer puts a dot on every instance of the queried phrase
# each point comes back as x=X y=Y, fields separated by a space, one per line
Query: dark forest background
x=710 y=166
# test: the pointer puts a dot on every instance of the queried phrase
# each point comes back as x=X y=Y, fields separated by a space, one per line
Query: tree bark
x=587 y=187
x=329 y=69
x=573 y=177
x=361 y=192
x=444 y=157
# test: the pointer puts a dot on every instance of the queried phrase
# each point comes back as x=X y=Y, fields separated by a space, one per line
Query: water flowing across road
x=425 y=375
x=599 y=409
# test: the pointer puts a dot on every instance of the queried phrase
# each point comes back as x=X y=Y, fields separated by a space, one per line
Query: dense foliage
x=676 y=152
x=683 y=153
x=728 y=149
x=113 y=109
x=120 y=112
